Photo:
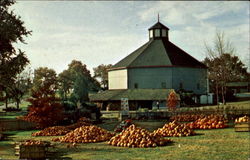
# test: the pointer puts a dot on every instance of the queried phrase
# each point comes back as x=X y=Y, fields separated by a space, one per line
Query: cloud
x=105 y=32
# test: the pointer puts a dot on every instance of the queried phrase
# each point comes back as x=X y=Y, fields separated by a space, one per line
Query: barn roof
x=158 y=25
x=158 y=52
x=131 y=94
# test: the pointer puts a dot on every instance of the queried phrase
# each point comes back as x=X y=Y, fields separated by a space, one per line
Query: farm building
x=239 y=87
x=146 y=75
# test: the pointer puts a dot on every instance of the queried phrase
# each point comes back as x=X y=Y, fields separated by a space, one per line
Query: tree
x=43 y=76
x=12 y=30
x=76 y=67
x=223 y=65
x=65 y=84
x=101 y=72
x=80 y=91
x=76 y=78
x=21 y=86
x=172 y=100
x=45 y=109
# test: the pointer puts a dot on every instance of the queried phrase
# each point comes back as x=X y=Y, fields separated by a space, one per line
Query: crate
x=242 y=127
x=31 y=152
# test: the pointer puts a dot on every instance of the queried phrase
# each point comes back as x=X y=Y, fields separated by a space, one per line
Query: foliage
x=186 y=97
x=172 y=100
x=80 y=91
x=223 y=65
x=65 y=81
x=76 y=82
x=45 y=109
x=101 y=72
x=76 y=68
x=12 y=30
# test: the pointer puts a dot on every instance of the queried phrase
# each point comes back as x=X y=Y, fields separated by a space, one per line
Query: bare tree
x=223 y=65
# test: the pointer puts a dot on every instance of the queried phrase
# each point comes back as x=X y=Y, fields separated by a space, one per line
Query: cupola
x=157 y=31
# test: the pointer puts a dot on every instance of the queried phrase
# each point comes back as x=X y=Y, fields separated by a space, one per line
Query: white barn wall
x=118 y=79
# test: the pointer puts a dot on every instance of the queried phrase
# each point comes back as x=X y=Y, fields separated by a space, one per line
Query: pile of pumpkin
x=242 y=119
x=175 y=129
x=137 y=137
x=123 y=125
x=86 y=134
x=186 y=117
x=31 y=142
x=209 y=122
x=52 y=131
x=62 y=130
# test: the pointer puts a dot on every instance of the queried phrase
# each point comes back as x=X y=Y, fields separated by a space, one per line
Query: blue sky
x=104 y=32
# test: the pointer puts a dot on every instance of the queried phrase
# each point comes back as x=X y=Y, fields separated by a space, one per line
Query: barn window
x=136 y=85
x=181 y=86
x=198 y=85
x=151 y=34
x=163 y=85
x=164 y=33
x=157 y=33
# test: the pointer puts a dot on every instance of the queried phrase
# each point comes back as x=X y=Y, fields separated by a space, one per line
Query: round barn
x=147 y=75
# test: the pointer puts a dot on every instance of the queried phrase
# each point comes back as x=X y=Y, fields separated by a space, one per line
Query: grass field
x=217 y=144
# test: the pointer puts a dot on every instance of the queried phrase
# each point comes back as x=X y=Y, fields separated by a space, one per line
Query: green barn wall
x=150 y=77
x=190 y=77
x=172 y=76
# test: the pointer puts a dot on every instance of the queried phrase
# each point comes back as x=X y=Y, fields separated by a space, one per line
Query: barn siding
x=150 y=77
x=190 y=77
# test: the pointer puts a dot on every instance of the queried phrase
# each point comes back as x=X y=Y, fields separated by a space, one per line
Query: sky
x=104 y=32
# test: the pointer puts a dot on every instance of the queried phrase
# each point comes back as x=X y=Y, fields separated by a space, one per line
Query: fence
x=164 y=114
x=15 y=124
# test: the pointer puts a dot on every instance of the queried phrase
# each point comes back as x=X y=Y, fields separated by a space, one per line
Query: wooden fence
x=15 y=124
x=164 y=114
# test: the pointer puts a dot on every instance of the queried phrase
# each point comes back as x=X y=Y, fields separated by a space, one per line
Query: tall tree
x=80 y=91
x=43 y=76
x=66 y=83
x=223 y=65
x=12 y=30
x=76 y=67
x=101 y=72
x=76 y=82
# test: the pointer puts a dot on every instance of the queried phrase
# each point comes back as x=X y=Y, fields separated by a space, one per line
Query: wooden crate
x=242 y=127
x=31 y=152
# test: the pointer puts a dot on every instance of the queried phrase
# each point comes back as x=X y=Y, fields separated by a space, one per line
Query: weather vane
x=158 y=17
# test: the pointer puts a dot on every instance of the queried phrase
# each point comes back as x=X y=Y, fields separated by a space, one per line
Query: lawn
x=208 y=144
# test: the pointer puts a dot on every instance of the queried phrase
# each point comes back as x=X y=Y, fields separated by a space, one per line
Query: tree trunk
x=217 y=93
x=17 y=103
x=222 y=94
x=6 y=102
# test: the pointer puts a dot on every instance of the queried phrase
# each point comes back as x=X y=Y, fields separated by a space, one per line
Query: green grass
x=13 y=115
x=217 y=144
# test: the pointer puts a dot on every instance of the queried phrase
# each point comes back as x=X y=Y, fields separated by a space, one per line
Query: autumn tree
x=45 y=108
x=223 y=65
x=172 y=100
x=12 y=61
x=101 y=73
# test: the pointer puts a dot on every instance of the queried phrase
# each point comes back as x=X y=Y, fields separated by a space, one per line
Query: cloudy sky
x=99 y=32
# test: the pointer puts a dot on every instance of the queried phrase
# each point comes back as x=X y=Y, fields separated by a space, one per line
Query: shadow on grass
x=199 y=134
x=57 y=155
x=7 y=136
